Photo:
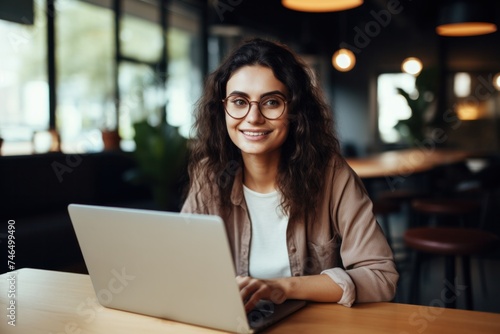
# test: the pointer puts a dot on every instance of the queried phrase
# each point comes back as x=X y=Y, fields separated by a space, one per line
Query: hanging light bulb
x=321 y=5
x=412 y=66
x=343 y=60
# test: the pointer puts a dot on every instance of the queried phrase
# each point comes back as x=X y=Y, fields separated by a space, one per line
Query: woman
x=299 y=222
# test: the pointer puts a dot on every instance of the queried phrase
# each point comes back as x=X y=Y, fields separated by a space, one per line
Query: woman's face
x=254 y=134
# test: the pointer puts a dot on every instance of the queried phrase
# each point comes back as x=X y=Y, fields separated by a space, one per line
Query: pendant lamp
x=321 y=5
x=343 y=60
x=412 y=65
x=466 y=18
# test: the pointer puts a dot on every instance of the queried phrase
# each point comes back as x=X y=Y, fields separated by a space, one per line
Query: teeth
x=248 y=133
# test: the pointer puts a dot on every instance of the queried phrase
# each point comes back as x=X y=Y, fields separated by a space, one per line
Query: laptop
x=167 y=265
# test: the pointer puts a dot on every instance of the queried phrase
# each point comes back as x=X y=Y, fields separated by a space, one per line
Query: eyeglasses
x=270 y=106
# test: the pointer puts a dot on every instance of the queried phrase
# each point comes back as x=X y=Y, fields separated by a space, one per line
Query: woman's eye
x=239 y=102
x=272 y=103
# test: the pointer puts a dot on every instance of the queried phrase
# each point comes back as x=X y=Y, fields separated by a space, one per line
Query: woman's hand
x=320 y=288
x=252 y=290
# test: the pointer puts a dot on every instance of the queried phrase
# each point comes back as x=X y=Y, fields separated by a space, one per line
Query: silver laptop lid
x=167 y=265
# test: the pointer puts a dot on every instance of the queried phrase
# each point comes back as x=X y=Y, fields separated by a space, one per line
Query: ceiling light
x=466 y=18
x=321 y=5
x=496 y=81
x=343 y=60
x=466 y=29
x=412 y=66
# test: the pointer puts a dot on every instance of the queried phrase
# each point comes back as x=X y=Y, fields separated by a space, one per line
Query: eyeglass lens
x=271 y=106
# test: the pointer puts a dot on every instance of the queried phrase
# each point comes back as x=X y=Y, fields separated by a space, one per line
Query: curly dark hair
x=310 y=145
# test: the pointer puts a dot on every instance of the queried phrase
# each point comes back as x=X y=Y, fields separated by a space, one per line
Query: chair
x=451 y=242
x=403 y=197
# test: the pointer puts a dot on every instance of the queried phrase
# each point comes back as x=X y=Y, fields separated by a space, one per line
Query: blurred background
x=97 y=101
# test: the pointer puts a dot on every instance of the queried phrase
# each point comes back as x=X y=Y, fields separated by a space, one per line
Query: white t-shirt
x=268 y=250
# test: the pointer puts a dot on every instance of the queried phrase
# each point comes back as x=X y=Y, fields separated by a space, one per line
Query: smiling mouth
x=255 y=133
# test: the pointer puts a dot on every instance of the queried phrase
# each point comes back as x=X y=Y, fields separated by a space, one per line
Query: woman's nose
x=254 y=115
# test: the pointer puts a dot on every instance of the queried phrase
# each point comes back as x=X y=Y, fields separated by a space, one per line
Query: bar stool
x=451 y=242
x=452 y=207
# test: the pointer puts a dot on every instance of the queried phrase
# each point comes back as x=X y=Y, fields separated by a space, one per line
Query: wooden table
x=51 y=302
x=405 y=162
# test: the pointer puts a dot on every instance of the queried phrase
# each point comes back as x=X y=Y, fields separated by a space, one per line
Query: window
x=140 y=80
x=392 y=107
x=85 y=69
x=184 y=78
x=24 y=106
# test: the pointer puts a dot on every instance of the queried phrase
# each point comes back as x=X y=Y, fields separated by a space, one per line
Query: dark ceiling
x=409 y=19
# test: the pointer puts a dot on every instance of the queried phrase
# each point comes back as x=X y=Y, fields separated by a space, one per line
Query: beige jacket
x=345 y=233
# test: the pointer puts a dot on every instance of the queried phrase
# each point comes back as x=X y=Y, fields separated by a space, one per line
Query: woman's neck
x=260 y=173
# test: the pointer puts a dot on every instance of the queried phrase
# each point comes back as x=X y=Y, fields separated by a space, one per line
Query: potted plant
x=161 y=157
x=423 y=114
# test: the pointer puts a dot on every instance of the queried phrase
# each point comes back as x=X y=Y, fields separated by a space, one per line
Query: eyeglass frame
x=258 y=105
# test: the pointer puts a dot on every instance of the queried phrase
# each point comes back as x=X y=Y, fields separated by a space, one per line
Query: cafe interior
x=97 y=101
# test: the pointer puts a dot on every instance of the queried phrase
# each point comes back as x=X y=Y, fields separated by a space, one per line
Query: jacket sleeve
x=196 y=201
x=365 y=253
